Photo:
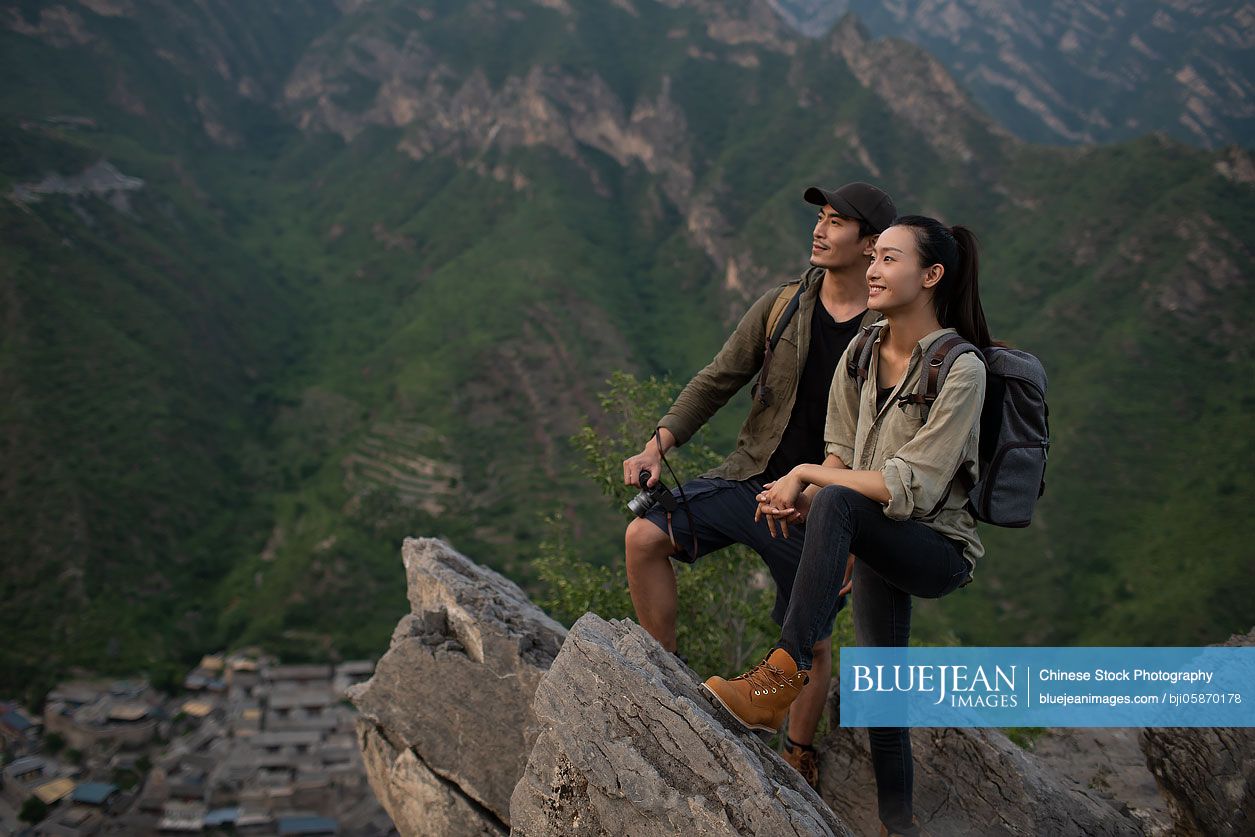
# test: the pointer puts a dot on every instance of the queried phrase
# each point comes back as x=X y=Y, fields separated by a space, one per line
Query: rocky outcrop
x=486 y=717
x=447 y=724
x=968 y=781
x=1207 y=774
x=1077 y=71
x=618 y=739
x=939 y=108
x=101 y=179
x=630 y=746
x=439 y=110
x=56 y=26
x=443 y=112
x=1108 y=761
x=418 y=800
x=812 y=18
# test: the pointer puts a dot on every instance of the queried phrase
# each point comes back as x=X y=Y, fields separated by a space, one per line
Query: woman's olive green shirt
x=919 y=460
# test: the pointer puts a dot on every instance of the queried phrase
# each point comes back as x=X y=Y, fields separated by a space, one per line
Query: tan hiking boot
x=760 y=698
x=803 y=761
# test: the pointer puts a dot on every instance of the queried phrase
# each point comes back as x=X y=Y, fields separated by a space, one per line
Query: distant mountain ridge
x=1078 y=72
x=386 y=249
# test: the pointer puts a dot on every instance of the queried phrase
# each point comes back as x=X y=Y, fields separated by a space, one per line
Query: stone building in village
x=252 y=747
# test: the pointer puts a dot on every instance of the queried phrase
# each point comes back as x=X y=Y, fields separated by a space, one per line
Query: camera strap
x=683 y=499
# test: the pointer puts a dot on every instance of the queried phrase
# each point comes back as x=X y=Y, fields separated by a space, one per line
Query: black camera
x=650 y=497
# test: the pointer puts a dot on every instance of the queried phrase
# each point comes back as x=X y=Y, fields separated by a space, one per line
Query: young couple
x=840 y=484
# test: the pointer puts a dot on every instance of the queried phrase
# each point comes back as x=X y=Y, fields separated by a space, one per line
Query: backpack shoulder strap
x=782 y=311
x=859 y=361
x=941 y=357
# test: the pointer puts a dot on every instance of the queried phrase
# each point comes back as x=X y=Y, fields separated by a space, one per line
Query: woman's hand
x=778 y=503
x=801 y=508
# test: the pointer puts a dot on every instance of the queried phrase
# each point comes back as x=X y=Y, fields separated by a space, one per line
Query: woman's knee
x=835 y=498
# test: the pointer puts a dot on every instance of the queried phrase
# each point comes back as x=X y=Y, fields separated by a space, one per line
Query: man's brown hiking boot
x=760 y=698
x=804 y=761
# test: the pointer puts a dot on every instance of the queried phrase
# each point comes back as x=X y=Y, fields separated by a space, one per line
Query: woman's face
x=895 y=279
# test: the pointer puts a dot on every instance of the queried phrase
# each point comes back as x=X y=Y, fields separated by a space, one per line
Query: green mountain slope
x=375 y=298
x=133 y=362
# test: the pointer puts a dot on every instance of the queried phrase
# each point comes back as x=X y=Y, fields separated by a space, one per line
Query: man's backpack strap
x=859 y=360
x=782 y=311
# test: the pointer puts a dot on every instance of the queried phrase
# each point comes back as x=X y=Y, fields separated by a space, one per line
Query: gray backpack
x=1014 y=423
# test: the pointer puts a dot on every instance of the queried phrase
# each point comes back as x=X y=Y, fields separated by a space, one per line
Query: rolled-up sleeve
x=920 y=472
x=731 y=369
x=842 y=420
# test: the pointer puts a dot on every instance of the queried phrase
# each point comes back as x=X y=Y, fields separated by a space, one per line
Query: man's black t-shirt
x=803 y=439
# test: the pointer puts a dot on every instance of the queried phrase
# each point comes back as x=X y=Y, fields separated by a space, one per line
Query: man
x=785 y=427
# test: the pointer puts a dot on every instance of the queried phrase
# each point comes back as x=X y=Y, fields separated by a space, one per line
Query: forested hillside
x=283 y=284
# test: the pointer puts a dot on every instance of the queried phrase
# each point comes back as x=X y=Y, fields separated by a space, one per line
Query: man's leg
x=806 y=711
x=649 y=550
x=651 y=580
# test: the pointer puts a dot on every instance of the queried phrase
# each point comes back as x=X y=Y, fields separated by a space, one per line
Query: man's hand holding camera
x=649 y=459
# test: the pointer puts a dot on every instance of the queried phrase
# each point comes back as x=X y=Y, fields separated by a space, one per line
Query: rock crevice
x=449 y=705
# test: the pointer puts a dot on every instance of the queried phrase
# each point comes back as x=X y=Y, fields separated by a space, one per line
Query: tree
x=725 y=599
x=33 y=810
x=54 y=743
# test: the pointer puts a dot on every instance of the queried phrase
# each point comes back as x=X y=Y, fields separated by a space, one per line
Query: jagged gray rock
x=446 y=719
x=1110 y=762
x=630 y=746
x=967 y=781
x=1207 y=774
x=475 y=723
x=418 y=800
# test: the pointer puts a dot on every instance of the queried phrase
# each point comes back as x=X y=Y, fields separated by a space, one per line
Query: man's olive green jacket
x=737 y=363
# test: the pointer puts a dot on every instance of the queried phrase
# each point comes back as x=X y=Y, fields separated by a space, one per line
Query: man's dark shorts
x=723 y=514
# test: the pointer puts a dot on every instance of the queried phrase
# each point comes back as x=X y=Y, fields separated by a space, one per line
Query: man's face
x=835 y=243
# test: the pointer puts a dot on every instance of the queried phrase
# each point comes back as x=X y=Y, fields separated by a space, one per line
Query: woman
x=887 y=491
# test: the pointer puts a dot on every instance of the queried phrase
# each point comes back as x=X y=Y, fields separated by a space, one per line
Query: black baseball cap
x=857 y=200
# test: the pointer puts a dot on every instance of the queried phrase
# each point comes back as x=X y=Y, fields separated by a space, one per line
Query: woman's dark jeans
x=897 y=559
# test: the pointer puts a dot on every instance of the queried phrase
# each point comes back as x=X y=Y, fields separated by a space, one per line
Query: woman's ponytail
x=956 y=298
x=965 y=314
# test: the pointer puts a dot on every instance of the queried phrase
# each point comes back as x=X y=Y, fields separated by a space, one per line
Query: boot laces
x=765 y=678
